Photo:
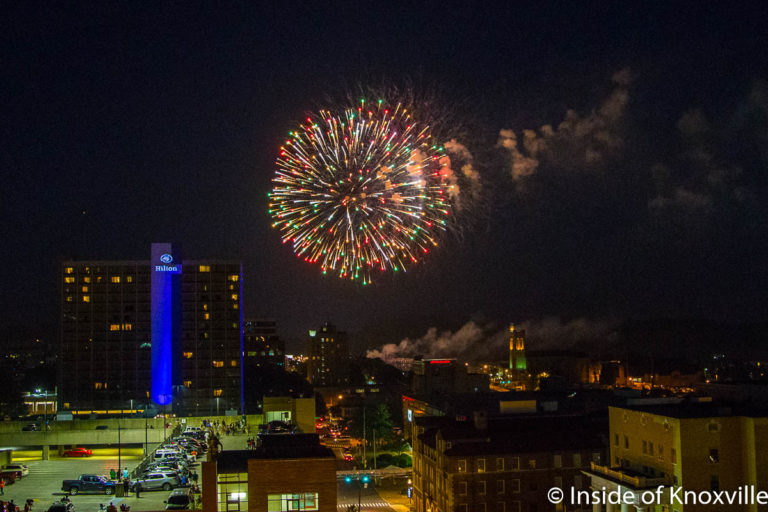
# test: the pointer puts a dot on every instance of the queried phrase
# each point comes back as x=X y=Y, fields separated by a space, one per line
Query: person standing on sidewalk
x=2 y=486
x=137 y=489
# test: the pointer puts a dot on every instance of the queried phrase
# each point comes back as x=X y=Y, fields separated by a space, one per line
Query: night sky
x=126 y=123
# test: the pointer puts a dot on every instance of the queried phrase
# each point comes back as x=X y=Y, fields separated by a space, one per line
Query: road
x=347 y=494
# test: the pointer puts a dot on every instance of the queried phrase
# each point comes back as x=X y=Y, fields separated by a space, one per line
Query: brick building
x=502 y=464
x=286 y=472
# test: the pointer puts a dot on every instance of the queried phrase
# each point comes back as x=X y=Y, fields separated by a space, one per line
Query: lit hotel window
x=115 y=279
x=69 y=270
x=234 y=296
x=127 y=327
x=206 y=316
x=216 y=392
x=86 y=279
x=128 y=279
x=69 y=279
x=85 y=288
x=205 y=307
x=235 y=306
x=69 y=298
x=99 y=385
x=86 y=298
x=218 y=364
x=187 y=383
x=204 y=268
x=114 y=327
x=234 y=278
x=233 y=363
x=187 y=355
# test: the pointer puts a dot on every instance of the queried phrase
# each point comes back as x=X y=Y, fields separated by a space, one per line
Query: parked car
x=61 y=506
x=78 y=452
x=180 y=499
x=29 y=428
x=20 y=469
x=154 y=481
x=88 y=483
x=102 y=427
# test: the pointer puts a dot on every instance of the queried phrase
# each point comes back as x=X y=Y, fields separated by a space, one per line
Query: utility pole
x=365 y=459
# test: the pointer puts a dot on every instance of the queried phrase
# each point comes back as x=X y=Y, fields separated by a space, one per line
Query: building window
x=205 y=307
x=127 y=327
x=69 y=279
x=85 y=289
x=204 y=268
x=480 y=465
x=286 y=502
x=86 y=298
x=187 y=384
x=481 y=487
x=615 y=439
x=206 y=316
x=626 y=443
x=114 y=327
x=714 y=455
x=577 y=482
x=558 y=461
x=233 y=363
x=87 y=279
x=515 y=507
x=462 y=465
x=233 y=491
x=558 y=481
x=500 y=464
x=69 y=270
x=99 y=385
x=532 y=463
x=462 y=488
x=217 y=392
x=235 y=306
x=187 y=355
x=500 y=487
x=114 y=279
x=514 y=463
x=650 y=448
x=234 y=278
x=128 y=279
x=577 y=460
x=234 y=296
x=596 y=457
x=645 y=447
x=218 y=364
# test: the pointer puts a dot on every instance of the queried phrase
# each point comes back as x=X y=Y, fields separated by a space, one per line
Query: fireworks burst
x=361 y=192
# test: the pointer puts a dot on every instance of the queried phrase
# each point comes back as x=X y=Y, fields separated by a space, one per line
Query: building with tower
x=517 y=363
x=162 y=334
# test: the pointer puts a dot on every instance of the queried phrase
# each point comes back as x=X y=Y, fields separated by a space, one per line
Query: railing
x=637 y=481
x=149 y=457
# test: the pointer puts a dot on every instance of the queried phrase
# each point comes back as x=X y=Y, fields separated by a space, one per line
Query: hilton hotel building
x=163 y=334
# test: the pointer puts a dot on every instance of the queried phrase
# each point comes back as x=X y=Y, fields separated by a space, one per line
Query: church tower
x=517 y=364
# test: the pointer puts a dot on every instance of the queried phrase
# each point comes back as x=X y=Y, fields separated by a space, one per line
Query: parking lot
x=43 y=484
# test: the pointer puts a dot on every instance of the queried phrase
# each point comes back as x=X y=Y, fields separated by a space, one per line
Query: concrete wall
x=83 y=437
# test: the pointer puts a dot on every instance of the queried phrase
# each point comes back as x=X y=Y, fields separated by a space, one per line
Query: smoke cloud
x=474 y=341
x=463 y=178
x=578 y=142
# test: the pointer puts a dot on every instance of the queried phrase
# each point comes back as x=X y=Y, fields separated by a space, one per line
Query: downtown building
x=162 y=334
x=327 y=357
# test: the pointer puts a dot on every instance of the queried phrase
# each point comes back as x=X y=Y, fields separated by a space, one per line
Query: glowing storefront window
x=287 y=502
x=232 y=492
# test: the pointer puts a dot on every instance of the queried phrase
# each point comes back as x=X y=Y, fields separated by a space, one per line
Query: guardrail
x=149 y=457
